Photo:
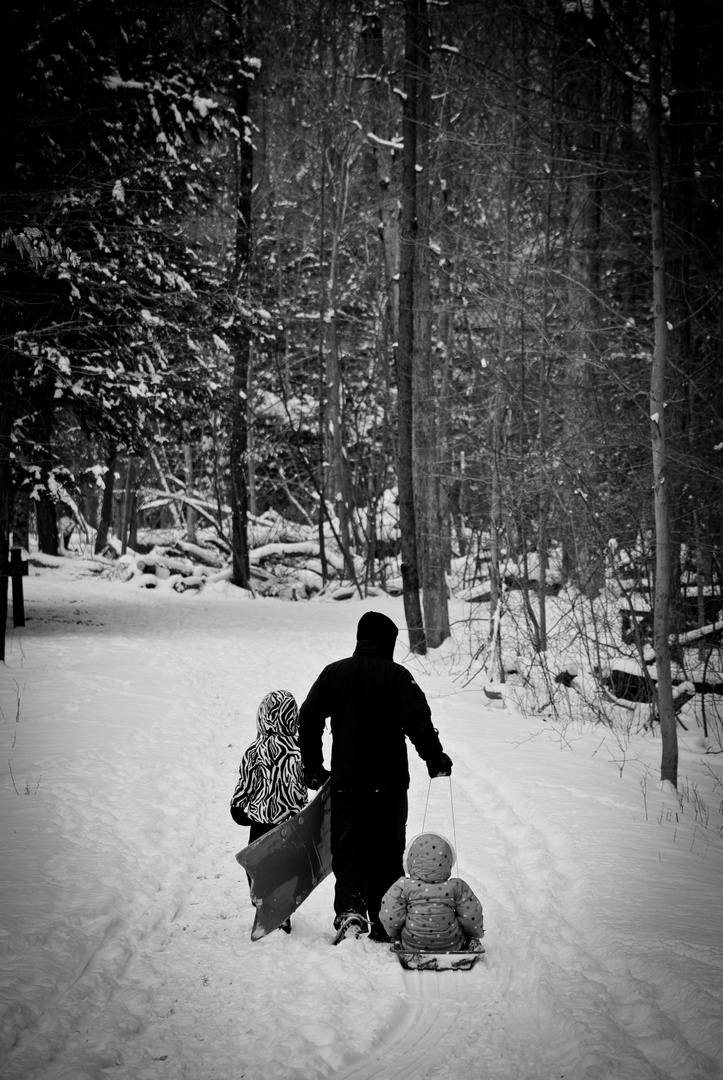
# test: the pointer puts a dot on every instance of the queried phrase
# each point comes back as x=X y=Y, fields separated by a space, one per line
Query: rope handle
x=454 y=825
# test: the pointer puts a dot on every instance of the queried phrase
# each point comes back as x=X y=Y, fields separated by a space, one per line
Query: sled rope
x=454 y=825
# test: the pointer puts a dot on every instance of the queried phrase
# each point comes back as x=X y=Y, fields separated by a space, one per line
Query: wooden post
x=17 y=570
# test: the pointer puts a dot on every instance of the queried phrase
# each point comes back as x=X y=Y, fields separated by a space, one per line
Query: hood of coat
x=430 y=858
x=278 y=714
x=376 y=635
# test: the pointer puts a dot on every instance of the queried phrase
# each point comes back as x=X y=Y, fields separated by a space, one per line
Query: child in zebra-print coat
x=271 y=780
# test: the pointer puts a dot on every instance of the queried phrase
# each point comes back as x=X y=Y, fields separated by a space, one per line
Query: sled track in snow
x=433 y=1005
x=457 y=1016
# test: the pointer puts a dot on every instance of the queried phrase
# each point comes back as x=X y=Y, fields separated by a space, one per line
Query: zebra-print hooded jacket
x=271 y=781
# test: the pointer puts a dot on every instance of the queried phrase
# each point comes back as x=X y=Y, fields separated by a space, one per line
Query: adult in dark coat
x=373 y=705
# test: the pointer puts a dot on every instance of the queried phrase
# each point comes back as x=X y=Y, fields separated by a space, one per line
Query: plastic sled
x=286 y=864
x=462 y=960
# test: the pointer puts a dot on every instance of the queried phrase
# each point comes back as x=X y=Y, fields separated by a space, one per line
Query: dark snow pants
x=368 y=830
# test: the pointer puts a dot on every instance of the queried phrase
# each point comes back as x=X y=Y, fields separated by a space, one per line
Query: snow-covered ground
x=124 y=933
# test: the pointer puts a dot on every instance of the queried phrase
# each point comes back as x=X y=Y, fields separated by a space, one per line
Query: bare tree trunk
x=495 y=670
x=449 y=484
x=20 y=519
x=582 y=95
x=157 y=455
x=127 y=505
x=12 y=55
x=45 y=512
x=427 y=486
x=47 y=522
x=388 y=204
x=323 y=467
x=387 y=195
x=499 y=409
x=336 y=452
x=251 y=441
x=240 y=19
x=7 y=375
x=405 y=345
x=106 y=509
x=544 y=498
x=191 y=513
x=661 y=609
x=688 y=18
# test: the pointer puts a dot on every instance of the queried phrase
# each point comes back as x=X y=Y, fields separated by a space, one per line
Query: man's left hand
x=441 y=767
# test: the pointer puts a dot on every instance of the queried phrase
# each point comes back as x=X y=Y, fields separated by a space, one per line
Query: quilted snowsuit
x=429 y=911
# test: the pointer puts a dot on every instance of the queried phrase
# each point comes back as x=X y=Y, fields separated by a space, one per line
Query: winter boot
x=351 y=925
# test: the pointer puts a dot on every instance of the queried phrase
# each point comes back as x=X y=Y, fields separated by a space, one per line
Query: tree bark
x=7 y=372
x=426 y=464
x=384 y=155
x=494 y=643
x=45 y=513
x=382 y=121
x=583 y=99
x=106 y=510
x=128 y=500
x=338 y=168
x=405 y=344
x=240 y=23
x=12 y=56
x=191 y=514
x=661 y=609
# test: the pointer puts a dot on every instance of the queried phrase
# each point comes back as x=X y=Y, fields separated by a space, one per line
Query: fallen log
x=201 y=554
x=309 y=548
x=150 y=564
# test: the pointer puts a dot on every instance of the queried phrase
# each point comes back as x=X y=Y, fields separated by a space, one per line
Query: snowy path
x=126 y=942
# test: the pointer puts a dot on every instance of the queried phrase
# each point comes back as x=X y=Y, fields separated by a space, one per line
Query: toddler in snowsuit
x=429 y=911
x=271 y=781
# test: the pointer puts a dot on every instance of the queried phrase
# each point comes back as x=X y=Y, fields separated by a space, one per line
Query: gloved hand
x=240 y=816
x=317 y=780
x=441 y=767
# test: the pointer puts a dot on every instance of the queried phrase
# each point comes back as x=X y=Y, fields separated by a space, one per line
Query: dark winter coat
x=429 y=911
x=271 y=782
x=373 y=704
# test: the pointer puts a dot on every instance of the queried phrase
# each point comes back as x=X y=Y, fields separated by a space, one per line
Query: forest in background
x=432 y=280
